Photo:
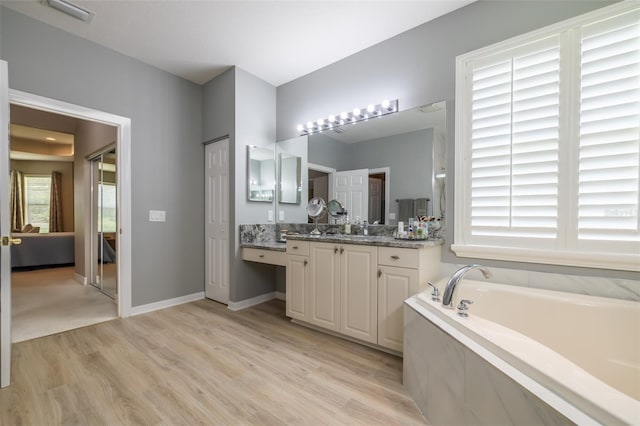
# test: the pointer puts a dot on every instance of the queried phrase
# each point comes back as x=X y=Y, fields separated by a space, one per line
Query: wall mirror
x=381 y=170
x=261 y=172
x=289 y=178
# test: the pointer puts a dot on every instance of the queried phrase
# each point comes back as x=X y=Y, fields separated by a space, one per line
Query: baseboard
x=247 y=303
x=81 y=279
x=150 y=307
x=281 y=296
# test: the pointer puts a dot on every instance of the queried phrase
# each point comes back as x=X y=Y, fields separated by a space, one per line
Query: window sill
x=616 y=261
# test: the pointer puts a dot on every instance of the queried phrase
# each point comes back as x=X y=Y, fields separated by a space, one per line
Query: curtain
x=55 y=203
x=16 y=201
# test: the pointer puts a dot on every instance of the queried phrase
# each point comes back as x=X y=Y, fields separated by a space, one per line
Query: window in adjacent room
x=37 y=195
x=107 y=207
x=548 y=145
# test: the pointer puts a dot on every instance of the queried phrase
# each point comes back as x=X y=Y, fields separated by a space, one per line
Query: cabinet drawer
x=401 y=257
x=264 y=256
x=298 y=247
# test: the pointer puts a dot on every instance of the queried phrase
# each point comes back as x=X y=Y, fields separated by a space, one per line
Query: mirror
x=261 y=172
x=335 y=209
x=289 y=178
x=380 y=170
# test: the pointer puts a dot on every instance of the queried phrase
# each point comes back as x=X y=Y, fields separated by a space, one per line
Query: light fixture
x=71 y=9
x=334 y=122
x=49 y=138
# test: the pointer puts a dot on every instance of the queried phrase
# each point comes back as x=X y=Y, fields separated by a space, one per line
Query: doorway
x=104 y=223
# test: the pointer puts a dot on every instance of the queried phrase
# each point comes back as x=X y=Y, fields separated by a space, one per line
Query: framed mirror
x=398 y=160
x=289 y=178
x=261 y=171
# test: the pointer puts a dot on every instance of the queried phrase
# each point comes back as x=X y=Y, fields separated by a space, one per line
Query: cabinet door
x=297 y=284
x=358 y=267
x=395 y=285
x=324 y=286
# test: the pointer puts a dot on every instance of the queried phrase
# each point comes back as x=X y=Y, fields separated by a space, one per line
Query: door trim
x=123 y=178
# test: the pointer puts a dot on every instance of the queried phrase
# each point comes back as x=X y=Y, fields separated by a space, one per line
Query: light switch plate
x=270 y=215
x=392 y=216
x=281 y=215
x=157 y=216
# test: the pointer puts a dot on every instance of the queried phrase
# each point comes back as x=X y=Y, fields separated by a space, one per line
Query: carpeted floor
x=49 y=301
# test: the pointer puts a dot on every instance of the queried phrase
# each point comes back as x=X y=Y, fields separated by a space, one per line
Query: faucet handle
x=435 y=293
x=462 y=307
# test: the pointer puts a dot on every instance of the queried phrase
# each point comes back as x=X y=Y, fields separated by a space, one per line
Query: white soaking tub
x=579 y=354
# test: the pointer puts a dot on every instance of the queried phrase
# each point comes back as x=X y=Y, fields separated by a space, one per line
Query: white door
x=217 y=221
x=351 y=188
x=5 y=231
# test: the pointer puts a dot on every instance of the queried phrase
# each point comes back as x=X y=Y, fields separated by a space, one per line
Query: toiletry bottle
x=347 y=225
x=365 y=228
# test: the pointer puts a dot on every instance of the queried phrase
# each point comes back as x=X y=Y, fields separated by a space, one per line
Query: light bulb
x=385 y=104
x=366 y=117
x=332 y=119
x=309 y=125
x=344 y=115
x=320 y=122
x=370 y=108
x=300 y=127
x=356 y=112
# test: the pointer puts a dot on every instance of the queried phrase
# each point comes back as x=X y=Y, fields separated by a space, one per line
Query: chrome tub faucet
x=447 y=297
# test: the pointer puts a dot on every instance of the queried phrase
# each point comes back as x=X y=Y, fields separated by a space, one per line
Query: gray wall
x=409 y=159
x=167 y=166
x=242 y=106
x=418 y=67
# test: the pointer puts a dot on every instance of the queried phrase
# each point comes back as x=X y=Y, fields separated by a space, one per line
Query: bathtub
x=578 y=354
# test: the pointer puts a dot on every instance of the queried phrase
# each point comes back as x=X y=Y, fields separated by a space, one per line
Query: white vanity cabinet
x=354 y=289
x=401 y=274
x=297 y=280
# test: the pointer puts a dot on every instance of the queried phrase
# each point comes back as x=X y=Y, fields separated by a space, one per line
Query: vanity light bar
x=353 y=117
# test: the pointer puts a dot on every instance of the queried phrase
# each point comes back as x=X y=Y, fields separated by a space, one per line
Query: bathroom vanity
x=355 y=286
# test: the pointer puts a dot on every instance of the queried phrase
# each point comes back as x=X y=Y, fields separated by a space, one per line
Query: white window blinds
x=609 y=158
x=548 y=145
x=514 y=144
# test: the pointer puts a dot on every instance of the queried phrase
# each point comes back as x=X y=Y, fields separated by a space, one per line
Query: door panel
x=217 y=221
x=5 y=231
x=324 y=286
x=394 y=287
x=359 y=286
x=351 y=188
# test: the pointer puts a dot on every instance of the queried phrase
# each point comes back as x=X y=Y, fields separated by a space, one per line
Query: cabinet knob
x=379 y=273
x=262 y=255
x=305 y=262
x=335 y=250
x=295 y=247
x=341 y=250
x=394 y=257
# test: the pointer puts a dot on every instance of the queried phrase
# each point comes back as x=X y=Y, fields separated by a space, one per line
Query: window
x=107 y=207
x=37 y=190
x=548 y=145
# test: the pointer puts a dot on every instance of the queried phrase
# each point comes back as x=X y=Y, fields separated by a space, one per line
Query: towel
x=421 y=207
x=405 y=209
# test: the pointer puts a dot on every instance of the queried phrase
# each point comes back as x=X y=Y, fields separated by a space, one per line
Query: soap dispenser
x=347 y=225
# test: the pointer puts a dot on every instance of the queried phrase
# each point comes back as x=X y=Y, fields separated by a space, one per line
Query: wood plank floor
x=200 y=363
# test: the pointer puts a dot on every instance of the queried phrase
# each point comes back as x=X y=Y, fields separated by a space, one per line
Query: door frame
x=123 y=178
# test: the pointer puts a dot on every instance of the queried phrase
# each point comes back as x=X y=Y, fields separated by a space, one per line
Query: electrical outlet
x=270 y=215
x=281 y=215
x=392 y=216
x=157 y=216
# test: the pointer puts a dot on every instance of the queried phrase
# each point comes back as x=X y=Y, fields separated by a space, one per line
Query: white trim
x=123 y=147
x=319 y=168
x=155 y=306
x=280 y=295
x=80 y=279
x=247 y=303
x=616 y=261
x=5 y=229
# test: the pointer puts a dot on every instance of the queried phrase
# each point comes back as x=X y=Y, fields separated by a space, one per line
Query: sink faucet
x=447 y=297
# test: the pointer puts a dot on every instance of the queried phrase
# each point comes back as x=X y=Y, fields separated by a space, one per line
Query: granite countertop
x=368 y=240
x=266 y=245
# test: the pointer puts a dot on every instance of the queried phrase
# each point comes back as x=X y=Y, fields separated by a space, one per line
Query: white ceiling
x=277 y=41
